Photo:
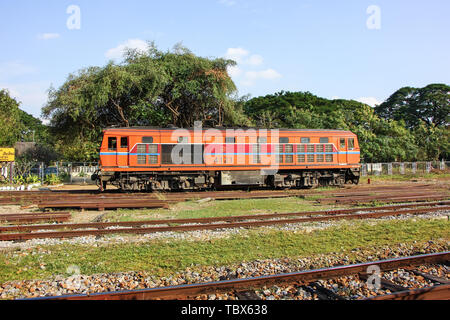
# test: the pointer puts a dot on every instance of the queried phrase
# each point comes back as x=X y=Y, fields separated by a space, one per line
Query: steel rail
x=210 y=219
x=211 y=226
x=37 y=218
x=438 y=292
x=386 y=199
x=302 y=277
x=31 y=214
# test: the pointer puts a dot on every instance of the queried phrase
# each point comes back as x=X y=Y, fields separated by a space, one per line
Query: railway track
x=313 y=281
x=51 y=200
x=226 y=222
x=35 y=217
x=101 y=201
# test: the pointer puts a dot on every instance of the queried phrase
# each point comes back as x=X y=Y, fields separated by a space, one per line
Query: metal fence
x=63 y=172
x=80 y=172
x=401 y=168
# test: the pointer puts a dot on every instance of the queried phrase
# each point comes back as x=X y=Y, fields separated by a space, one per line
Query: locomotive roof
x=225 y=128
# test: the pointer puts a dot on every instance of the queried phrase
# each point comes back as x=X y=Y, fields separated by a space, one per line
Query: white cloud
x=236 y=54
x=118 y=52
x=242 y=56
x=255 y=60
x=48 y=36
x=234 y=71
x=371 y=101
x=251 y=76
x=245 y=63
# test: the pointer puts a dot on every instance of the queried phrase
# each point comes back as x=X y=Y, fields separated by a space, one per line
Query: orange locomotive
x=191 y=159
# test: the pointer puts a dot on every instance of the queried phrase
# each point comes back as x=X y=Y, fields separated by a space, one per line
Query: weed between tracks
x=407 y=177
x=163 y=258
x=219 y=208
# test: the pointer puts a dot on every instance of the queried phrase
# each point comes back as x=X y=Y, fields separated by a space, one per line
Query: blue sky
x=344 y=49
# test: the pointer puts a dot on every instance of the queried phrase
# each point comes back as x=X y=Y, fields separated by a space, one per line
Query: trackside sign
x=6 y=154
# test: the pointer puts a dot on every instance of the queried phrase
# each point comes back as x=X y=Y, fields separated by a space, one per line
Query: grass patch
x=407 y=177
x=162 y=257
x=220 y=208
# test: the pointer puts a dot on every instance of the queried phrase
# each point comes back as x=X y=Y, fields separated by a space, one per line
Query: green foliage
x=64 y=177
x=39 y=153
x=426 y=112
x=430 y=105
x=52 y=179
x=33 y=130
x=380 y=140
x=32 y=179
x=148 y=89
x=176 y=87
x=20 y=179
x=10 y=125
x=433 y=141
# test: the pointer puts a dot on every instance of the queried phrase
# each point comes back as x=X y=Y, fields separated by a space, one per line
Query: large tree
x=147 y=88
x=379 y=139
x=430 y=105
x=10 y=124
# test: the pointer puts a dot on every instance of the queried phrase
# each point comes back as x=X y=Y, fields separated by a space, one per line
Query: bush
x=52 y=179
x=32 y=179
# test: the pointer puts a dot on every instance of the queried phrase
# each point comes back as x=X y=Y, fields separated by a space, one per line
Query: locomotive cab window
x=342 y=143
x=351 y=144
x=124 y=142
x=147 y=139
x=112 y=143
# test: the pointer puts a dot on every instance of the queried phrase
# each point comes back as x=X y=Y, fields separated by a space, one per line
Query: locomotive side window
x=342 y=143
x=182 y=139
x=153 y=158
x=305 y=140
x=324 y=140
x=284 y=140
x=351 y=144
x=279 y=156
x=141 y=150
x=124 y=142
x=301 y=149
x=141 y=159
x=257 y=149
x=289 y=148
x=147 y=139
x=112 y=143
x=230 y=140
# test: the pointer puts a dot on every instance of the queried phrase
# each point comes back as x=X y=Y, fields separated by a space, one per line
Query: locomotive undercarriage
x=210 y=180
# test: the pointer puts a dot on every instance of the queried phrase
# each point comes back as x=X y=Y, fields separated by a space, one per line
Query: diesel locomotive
x=147 y=158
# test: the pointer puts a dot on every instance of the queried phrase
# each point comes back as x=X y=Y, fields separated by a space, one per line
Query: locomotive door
x=112 y=152
x=342 y=155
x=122 y=152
